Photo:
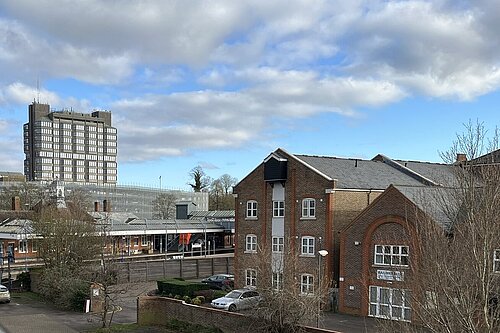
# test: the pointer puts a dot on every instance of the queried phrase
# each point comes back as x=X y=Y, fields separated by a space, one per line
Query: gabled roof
x=439 y=203
x=358 y=173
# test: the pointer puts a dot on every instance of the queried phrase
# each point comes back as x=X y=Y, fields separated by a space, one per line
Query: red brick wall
x=333 y=212
x=385 y=222
x=153 y=310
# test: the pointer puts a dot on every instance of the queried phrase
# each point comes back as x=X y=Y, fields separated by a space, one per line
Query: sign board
x=389 y=275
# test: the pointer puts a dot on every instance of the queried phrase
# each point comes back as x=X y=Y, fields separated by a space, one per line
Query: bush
x=25 y=279
x=187 y=299
x=179 y=287
x=198 y=300
x=184 y=327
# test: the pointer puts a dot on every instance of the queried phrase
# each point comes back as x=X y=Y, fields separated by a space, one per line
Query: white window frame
x=308 y=208
x=306 y=284
x=250 y=277
x=278 y=208
x=278 y=244
x=277 y=281
x=23 y=246
x=496 y=261
x=34 y=245
x=386 y=308
x=391 y=255
x=251 y=243
x=144 y=240
x=308 y=244
x=251 y=209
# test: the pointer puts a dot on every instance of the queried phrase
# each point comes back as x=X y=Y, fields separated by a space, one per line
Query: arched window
x=251 y=243
x=251 y=209
x=308 y=207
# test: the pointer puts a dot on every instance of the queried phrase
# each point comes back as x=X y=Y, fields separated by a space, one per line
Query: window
x=389 y=303
x=136 y=241
x=308 y=246
x=277 y=281
x=251 y=277
x=23 y=246
x=278 y=244
x=306 y=284
x=34 y=246
x=251 y=243
x=391 y=255
x=496 y=261
x=308 y=207
x=252 y=209
x=144 y=240
x=278 y=208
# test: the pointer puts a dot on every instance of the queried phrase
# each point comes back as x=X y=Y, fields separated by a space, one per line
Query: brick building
x=382 y=249
x=302 y=202
x=376 y=248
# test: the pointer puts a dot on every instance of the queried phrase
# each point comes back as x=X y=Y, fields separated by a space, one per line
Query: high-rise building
x=70 y=146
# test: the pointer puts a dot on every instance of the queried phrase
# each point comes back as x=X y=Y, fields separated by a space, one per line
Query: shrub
x=25 y=280
x=177 y=296
x=179 y=287
x=198 y=300
x=187 y=299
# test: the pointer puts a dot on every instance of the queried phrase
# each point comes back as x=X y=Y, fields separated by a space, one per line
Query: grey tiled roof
x=439 y=203
x=215 y=214
x=357 y=173
x=438 y=172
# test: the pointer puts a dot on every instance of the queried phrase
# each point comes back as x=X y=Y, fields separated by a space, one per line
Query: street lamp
x=322 y=253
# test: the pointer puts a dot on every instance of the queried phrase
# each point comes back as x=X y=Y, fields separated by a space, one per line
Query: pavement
x=26 y=315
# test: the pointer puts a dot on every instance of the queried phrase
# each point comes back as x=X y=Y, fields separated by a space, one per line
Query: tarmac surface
x=26 y=315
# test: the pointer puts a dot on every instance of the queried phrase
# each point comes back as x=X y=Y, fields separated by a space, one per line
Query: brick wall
x=158 y=311
x=386 y=221
x=333 y=212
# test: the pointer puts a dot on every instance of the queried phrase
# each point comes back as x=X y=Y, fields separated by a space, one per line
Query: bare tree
x=28 y=193
x=286 y=304
x=164 y=206
x=81 y=197
x=455 y=274
x=199 y=180
x=227 y=182
x=220 y=193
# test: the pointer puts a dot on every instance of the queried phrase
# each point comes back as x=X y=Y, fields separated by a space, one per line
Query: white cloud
x=166 y=125
x=210 y=75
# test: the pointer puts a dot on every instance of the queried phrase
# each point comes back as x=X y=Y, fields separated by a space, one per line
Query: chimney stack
x=16 y=204
x=461 y=158
x=106 y=206
x=96 y=206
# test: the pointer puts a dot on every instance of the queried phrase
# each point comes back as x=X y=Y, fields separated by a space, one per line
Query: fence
x=187 y=268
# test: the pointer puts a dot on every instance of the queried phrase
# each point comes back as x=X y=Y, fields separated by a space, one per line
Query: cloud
x=212 y=75
x=155 y=126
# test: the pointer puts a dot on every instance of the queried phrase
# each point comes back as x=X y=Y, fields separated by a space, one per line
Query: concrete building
x=70 y=146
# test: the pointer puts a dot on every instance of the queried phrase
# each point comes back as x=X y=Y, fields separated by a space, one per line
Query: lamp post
x=321 y=254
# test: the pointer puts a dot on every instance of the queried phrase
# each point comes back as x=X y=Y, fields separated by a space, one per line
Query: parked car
x=239 y=299
x=4 y=294
x=220 y=281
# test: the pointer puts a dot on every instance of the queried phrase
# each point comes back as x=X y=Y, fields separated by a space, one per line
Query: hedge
x=178 y=287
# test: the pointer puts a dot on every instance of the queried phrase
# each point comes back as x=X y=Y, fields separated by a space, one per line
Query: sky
x=222 y=84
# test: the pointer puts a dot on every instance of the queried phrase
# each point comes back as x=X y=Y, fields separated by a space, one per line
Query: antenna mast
x=38 y=90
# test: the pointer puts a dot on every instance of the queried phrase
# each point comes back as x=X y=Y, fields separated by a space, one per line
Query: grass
x=174 y=326
x=27 y=295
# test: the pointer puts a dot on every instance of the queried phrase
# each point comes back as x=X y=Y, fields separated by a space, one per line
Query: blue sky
x=221 y=84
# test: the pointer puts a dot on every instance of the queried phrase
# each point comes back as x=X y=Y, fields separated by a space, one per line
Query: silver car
x=4 y=294
x=239 y=299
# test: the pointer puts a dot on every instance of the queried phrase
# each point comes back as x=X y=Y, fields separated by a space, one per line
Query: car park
x=4 y=294
x=220 y=281
x=239 y=299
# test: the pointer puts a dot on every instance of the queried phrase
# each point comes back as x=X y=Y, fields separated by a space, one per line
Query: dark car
x=220 y=281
